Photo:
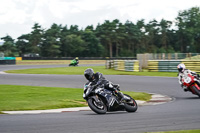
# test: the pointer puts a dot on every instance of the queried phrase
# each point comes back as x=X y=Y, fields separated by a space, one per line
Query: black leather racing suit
x=99 y=79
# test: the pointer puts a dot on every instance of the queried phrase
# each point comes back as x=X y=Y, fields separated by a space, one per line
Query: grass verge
x=48 y=62
x=80 y=71
x=17 y=97
x=181 y=131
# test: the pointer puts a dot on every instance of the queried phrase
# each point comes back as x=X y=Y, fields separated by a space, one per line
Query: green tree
x=50 y=45
x=104 y=32
x=8 y=47
x=188 y=22
x=64 y=48
x=119 y=36
x=152 y=32
x=164 y=28
x=93 y=46
x=35 y=38
x=74 y=30
x=107 y=32
x=132 y=39
x=142 y=37
x=76 y=45
x=22 y=44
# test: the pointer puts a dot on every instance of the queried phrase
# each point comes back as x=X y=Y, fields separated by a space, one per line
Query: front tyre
x=131 y=105
x=196 y=90
x=97 y=106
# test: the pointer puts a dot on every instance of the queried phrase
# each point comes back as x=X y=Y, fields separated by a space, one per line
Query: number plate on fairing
x=187 y=80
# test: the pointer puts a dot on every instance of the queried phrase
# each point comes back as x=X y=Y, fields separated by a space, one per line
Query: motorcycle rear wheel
x=98 y=107
x=130 y=106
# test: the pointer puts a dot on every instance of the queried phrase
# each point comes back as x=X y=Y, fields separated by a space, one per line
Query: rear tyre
x=98 y=107
x=131 y=105
x=196 y=90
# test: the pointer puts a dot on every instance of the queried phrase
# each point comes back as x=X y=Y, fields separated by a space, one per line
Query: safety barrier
x=171 y=65
x=18 y=58
x=123 y=65
x=192 y=65
x=153 y=66
x=7 y=60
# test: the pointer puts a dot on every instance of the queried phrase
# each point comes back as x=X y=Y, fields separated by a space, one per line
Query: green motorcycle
x=74 y=63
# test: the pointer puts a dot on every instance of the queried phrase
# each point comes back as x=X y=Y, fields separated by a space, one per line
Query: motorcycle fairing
x=187 y=80
x=112 y=103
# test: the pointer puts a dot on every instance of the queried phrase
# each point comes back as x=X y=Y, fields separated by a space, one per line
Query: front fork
x=196 y=85
x=96 y=98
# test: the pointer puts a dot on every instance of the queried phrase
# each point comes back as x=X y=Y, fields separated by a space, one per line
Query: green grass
x=138 y=95
x=181 y=131
x=43 y=62
x=80 y=71
x=14 y=97
x=193 y=58
x=17 y=97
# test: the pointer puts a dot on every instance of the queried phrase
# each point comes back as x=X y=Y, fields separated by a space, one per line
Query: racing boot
x=122 y=96
x=185 y=88
x=116 y=86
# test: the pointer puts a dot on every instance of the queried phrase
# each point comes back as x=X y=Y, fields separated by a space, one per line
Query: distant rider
x=74 y=62
x=182 y=70
x=98 y=79
x=77 y=61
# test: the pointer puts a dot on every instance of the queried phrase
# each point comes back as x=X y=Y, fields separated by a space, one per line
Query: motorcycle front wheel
x=131 y=105
x=97 y=106
x=196 y=90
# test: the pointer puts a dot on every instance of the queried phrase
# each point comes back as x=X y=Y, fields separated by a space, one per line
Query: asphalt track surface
x=180 y=114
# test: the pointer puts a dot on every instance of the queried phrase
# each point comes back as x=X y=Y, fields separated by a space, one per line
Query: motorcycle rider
x=98 y=79
x=182 y=69
x=76 y=60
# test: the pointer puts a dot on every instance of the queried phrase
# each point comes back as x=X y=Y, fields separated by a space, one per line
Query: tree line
x=110 y=39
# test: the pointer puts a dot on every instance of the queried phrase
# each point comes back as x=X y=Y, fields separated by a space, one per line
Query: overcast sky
x=17 y=17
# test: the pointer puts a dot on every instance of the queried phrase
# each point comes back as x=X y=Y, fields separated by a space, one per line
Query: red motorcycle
x=191 y=83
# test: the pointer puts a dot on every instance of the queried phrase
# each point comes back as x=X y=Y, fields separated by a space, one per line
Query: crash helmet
x=181 y=67
x=89 y=73
x=76 y=58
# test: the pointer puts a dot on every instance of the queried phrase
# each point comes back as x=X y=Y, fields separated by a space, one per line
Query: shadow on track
x=188 y=98
x=112 y=113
